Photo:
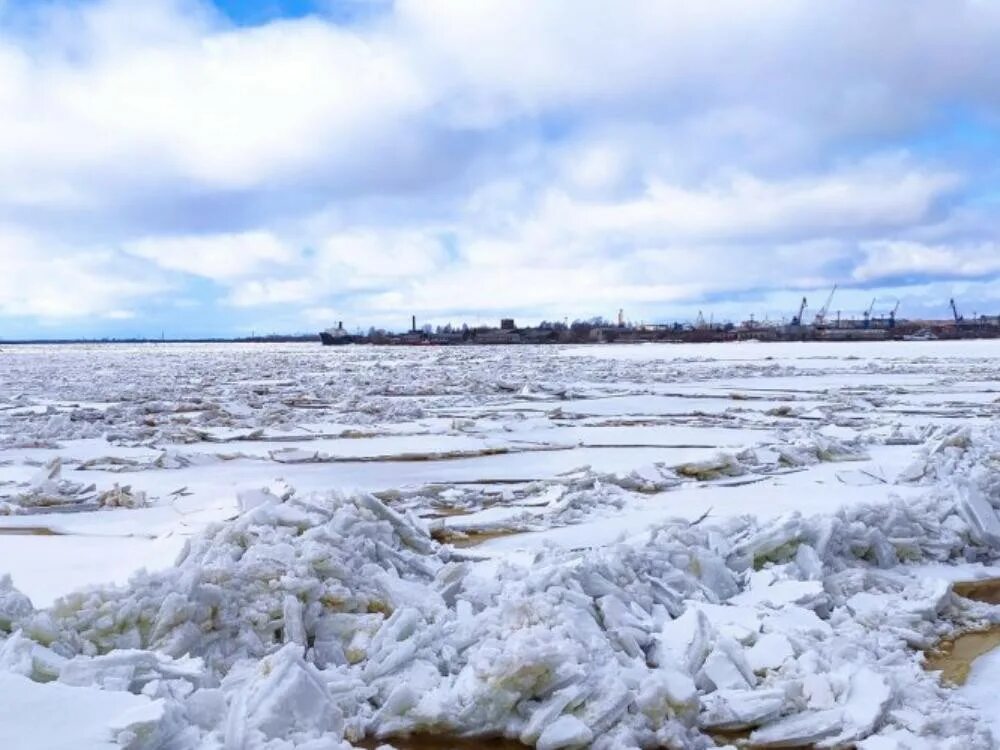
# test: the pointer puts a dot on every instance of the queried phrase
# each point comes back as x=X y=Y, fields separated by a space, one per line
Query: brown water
x=987 y=590
x=954 y=656
x=473 y=538
x=27 y=531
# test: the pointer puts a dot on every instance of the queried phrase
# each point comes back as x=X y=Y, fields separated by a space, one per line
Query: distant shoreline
x=246 y=340
x=312 y=339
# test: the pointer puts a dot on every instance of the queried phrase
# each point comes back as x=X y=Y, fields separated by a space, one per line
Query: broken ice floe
x=49 y=490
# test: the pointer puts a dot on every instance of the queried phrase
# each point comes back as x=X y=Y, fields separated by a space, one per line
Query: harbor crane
x=797 y=320
x=868 y=313
x=892 y=315
x=821 y=315
x=954 y=311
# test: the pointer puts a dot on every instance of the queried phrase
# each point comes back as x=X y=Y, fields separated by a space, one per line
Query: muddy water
x=986 y=590
x=473 y=538
x=27 y=531
x=954 y=657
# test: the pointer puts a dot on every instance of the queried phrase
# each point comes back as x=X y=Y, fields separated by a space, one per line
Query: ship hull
x=330 y=340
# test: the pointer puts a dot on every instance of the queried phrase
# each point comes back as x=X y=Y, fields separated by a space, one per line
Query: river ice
x=289 y=546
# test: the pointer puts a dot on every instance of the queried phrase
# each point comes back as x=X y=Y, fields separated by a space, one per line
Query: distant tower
x=621 y=318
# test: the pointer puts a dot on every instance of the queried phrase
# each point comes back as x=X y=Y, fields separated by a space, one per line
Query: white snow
x=57 y=717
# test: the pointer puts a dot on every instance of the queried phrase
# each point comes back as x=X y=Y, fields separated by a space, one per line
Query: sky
x=198 y=169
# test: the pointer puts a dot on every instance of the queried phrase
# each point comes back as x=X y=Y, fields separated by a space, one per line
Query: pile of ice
x=313 y=622
x=49 y=490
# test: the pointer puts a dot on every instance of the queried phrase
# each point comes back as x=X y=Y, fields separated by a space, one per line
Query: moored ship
x=335 y=336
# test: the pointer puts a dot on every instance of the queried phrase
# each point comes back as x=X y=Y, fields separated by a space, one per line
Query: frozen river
x=616 y=546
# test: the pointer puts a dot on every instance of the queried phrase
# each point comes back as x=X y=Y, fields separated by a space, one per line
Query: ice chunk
x=297 y=456
x=14 y=606
x=545 y=714
x=138 y=727
x=867 y=698
x=804 y=593
x=818 y=691
x=769 y=652
x=727 y=668
x=740 y=709
x=740 y=623
x=981 y=516
x=24 y=656
x=798 y=730
x=286 y=694
x=714 y=573
x=249 y=499
x=206 y=708
x=566 y=731
x=128 y=669
x=797 y=620
x=667 y=692
x=685 y=642
x=49 y=473
x=808 y=562
x=16 y=655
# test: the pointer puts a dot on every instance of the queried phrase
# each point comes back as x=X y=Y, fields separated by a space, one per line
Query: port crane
x=954 y=311
x=821 y=315
x=868 y=314
x=892 y=315
x=797 y=320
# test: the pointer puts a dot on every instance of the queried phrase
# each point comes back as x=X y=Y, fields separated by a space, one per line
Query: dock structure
x=826 y=325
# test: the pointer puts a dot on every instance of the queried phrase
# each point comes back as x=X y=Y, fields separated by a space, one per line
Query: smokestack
x=340 y=325
x=414 y=324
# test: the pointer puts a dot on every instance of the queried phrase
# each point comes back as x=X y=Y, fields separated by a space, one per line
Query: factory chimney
x=414 y=324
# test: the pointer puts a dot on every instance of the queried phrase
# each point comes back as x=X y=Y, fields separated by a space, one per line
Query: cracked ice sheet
x=655 y=406
x=814 y=491
x=224 y=478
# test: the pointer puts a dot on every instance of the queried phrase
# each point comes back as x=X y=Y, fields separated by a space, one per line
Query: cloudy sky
x=213 y=169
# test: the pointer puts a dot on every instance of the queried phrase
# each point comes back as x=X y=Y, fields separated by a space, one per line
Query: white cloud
x=747 y=207
x=219 y=257
x=139 y=93
x=889 y=259
x=48 y=283
x=272 y=292
x=364 y=258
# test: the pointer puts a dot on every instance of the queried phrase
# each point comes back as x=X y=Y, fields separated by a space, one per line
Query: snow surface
x=268 y=546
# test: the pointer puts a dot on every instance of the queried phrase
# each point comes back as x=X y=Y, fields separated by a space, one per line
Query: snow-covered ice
x=289 y=546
